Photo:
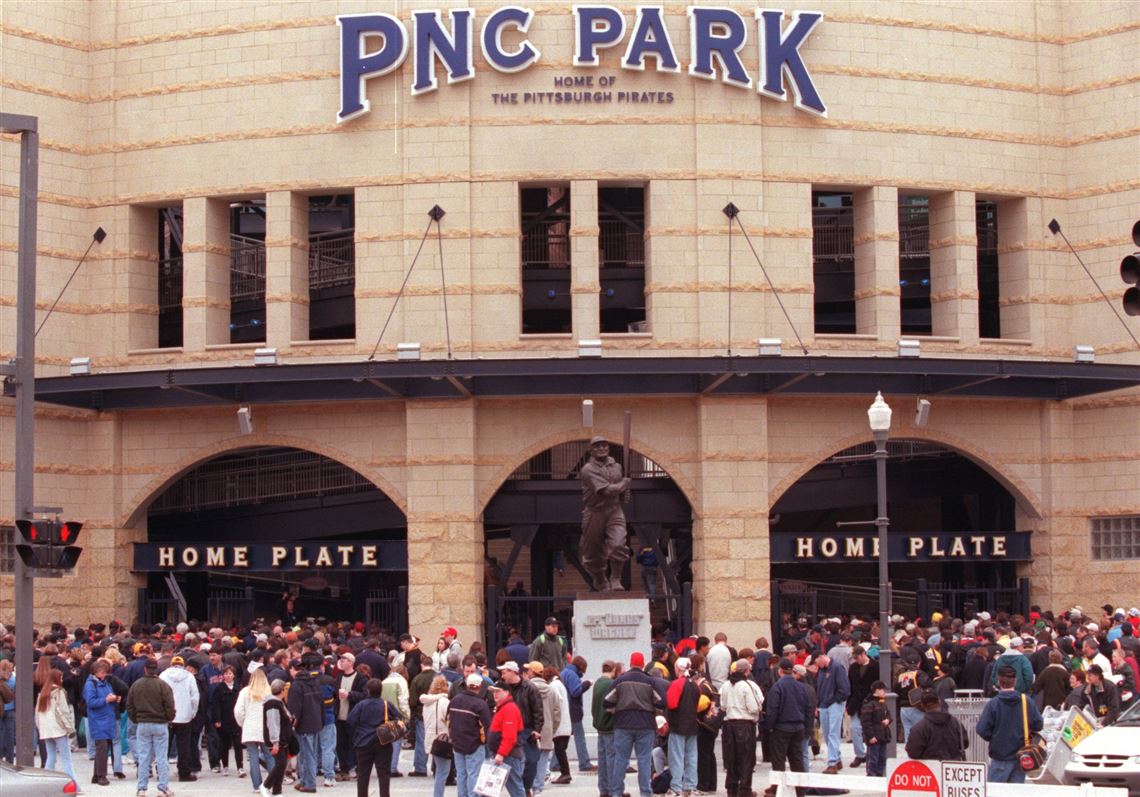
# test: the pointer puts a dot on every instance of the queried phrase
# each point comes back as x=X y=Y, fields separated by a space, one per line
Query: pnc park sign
x=372 y=45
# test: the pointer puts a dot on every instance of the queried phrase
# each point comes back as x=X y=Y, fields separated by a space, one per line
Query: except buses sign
x=372 y=45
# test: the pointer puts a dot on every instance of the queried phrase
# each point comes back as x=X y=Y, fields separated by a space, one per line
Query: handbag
x=1032 y=754
x=390 y=730
x=441 y=744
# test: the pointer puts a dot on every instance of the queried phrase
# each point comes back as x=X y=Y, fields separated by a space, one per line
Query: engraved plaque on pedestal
x=610 y=626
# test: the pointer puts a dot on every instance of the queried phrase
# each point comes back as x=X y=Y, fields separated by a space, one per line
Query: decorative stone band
x=453 y=289
x=844 y=178
x=884 y=290
x=709 y=286
x=844 y=70
x=585 y=231
x=296 y=243
x=286 y=298
x=963 y=294
x=552 y=11
x=954 y=240
x=73 y=255
x=205 y=301
x=798 y=123
x=444 y=232
x=193 y=247
x=876 y=235
x=722 y=230
x=585 y=289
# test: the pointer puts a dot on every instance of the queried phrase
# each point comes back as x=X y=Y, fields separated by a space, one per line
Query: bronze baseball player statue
x=603 y=543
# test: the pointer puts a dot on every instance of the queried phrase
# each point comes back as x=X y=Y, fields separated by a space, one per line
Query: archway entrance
x=232 y=536
x=953 y=546
x=531 y=530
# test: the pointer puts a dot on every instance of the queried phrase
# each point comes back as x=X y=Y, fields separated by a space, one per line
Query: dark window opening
x=247 y=272
x=914 y=265
x=332 y=267
x=989 y=311
x=621 y=258
x=545 y=216
x=833 y=261
x=169 y=277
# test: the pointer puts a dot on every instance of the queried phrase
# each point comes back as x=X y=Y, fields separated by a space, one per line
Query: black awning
x=572 y=376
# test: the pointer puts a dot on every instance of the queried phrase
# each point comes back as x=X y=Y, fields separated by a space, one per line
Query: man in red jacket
x=504 y=738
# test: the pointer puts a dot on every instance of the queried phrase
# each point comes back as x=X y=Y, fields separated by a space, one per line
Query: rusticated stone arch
x=138 y=504
x=1029 y=502
x=493 y=485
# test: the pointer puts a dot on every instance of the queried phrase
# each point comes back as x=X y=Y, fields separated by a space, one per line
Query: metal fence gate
x=230 y=607
x=387 y=608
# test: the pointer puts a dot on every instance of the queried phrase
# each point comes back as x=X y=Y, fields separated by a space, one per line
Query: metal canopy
x=557 y=377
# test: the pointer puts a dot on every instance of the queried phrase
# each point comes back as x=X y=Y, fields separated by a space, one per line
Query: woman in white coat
x=435 y=705
x=564 y=727
x=55 y=721
x=249 y=711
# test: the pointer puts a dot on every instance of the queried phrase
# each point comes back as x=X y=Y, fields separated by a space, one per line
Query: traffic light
x=1130 y=273
x=50 y=544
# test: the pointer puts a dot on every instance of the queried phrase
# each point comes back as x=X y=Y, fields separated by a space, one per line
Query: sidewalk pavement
x=208 y=783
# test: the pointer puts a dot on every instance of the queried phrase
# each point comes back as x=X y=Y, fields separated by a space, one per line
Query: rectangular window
x=1116 y=537
x=247 y=271
x=833 y=261
x=545 y=218
x=914 y=265
x=332 y=267
x=621 y=258
x=989 y=311
x=170 y=277
x=7 y=549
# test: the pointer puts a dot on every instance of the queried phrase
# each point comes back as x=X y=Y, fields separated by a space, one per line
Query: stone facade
x=148 y=105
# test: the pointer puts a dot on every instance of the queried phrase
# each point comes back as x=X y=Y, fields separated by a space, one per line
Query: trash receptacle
x=966 y=706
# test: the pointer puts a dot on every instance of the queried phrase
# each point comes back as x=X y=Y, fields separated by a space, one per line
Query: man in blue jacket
x=1002 y=724
x=832 y=687
x=787 y=712
x=571 y=678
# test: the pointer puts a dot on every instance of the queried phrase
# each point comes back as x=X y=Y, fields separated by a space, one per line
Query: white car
x=1111 y=756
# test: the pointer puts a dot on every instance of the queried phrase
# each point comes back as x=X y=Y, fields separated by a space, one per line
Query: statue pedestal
x=610 y=625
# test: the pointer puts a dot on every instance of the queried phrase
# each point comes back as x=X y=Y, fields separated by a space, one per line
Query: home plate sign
x=907 y=778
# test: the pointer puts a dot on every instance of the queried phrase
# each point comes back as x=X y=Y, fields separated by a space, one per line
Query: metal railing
x=564 y=460
x=546 y=244
x=264 y=474
x=620 y=245
x=247 y=268
x=170 y=283
x=332 y=259
x=387 y=609
x=914 y=237
x=825 y=599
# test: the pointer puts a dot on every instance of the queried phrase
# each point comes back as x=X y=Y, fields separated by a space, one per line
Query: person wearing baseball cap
x=549 y=647
x=528 y=701
x=937 y=736
x=186 y=698
x=351 y=688
x=787 y=713
x=1102 y=695
x=635 y=701
x=469 y=721
x=451 y=640
x=1001 y=724
x=505 y=742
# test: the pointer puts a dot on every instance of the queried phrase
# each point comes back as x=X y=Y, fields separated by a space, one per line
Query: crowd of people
x=313 y=703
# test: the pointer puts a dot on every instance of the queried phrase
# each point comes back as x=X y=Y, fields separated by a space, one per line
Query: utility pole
x=23 y=373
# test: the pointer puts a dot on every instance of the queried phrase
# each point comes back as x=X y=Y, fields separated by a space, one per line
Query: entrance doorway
x=954 y=542
x=531 y=530
x=284 y=506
